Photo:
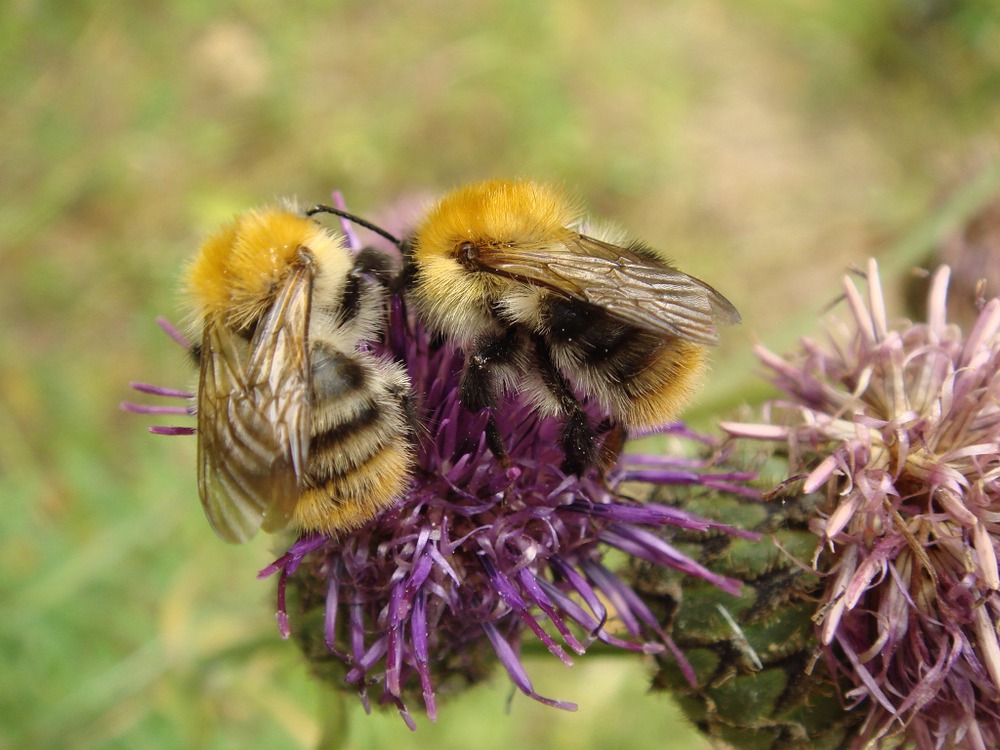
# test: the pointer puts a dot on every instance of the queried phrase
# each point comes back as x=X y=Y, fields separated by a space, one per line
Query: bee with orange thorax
x=296 y=425
x=505 y=270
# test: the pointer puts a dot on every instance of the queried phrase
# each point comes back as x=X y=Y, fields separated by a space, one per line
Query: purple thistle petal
x=582 y=587
x=346 y=226
x=284 y=629
x=330 y=620
x=155 y=390
x=404 y=714
x=631 y=609
x=647 y=546
x=663 y=476
x=291 y=560
x=418 y=631
x=357 y=625
x=509 y=594
x=364 y=662
x=393 y=647
x=534 y=591
x=665 y=462
x=628 y=600
x=173 y=333
x=511 y=662
x=654 y=514
x=613 y=590
x=167 y=430
x=594 y=627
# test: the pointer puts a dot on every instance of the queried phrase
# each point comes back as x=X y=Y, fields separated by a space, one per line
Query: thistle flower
x=899 y=428
x=477 y=559
x=475 y=554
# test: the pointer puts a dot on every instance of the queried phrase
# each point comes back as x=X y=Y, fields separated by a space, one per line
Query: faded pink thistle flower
x=901 y=426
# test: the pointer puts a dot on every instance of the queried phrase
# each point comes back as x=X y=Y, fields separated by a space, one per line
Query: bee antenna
x=323 y=209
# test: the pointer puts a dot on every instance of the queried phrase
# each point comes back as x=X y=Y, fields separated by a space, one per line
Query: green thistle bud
x=759 y=683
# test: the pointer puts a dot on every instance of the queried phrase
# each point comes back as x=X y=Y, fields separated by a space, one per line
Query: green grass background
x=767 y=146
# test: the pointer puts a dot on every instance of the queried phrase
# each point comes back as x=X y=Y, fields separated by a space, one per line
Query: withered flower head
x=899 y=425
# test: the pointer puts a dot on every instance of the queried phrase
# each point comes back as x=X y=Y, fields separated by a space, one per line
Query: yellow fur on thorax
x=496 y=212
x=241 y=265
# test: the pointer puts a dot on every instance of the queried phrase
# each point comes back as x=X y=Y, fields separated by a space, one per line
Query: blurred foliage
x=766 y=146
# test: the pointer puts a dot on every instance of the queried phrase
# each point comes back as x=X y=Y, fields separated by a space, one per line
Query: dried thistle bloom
x=899 y=426
x=476 y=557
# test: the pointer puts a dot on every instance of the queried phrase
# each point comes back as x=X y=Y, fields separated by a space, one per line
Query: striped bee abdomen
x=357 y=463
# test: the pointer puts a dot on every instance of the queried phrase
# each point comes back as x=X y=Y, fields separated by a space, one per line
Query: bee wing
x=254 y=418
x=634 y=288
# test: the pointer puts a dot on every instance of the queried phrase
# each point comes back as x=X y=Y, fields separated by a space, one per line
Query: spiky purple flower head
x=900 y=426
x=478 y=558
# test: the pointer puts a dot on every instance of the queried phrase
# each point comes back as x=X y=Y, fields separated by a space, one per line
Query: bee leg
x=577 y=443
x=478 y=390
x=406 y=278
x=611 y=447
x=494 y=360
x=371 y=268
x=495 y=442
x=578 y=440
x=375 y=263
x=416 y=430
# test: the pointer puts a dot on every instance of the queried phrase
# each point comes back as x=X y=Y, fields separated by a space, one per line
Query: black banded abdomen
x=360 y=452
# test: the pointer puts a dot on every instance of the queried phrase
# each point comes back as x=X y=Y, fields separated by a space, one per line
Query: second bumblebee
x=508 y=271
x=297 y=424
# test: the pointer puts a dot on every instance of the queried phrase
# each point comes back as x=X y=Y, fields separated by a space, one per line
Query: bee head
x=494 y=213
x=240 y=267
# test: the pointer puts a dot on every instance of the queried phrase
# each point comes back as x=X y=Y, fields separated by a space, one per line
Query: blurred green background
x=766 y=146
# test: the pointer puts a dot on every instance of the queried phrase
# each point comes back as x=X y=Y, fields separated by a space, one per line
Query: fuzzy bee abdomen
x=640 y=378
x=357 y=464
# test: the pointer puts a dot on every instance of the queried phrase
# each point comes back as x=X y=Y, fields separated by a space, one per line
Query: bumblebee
x=507 y=271
x=297 y=425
